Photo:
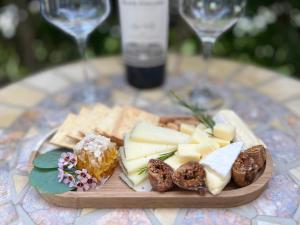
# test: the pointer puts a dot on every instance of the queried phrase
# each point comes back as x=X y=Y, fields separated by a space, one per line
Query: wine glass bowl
x=77 y=18
x=210 y=18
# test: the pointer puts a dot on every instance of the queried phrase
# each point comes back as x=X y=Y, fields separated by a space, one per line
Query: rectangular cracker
x=130 y=116
x=78 y=123
x=107 y=125
x=96 y=116
x=60 y=138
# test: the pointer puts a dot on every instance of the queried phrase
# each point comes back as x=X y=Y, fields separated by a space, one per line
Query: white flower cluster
x=93 y=143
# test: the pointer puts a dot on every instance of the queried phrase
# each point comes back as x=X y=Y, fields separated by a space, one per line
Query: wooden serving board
x=116 y=194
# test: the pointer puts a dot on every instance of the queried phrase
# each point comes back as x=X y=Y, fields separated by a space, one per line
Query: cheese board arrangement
x=124 y=157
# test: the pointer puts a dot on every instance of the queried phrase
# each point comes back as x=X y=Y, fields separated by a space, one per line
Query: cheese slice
x=148 y=133
x=175 y=161
x=135 y=165
x=220 y=142
x=224 y=131
x=199 y=136
x=190 y=154
x=134 y=179
x=187 y=128
x=218 y=165
x=214 y=182
x=243 y=133
x=207 y=147
x=135 y=150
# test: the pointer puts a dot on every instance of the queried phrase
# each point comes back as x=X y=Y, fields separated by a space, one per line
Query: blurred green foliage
x=268 y=36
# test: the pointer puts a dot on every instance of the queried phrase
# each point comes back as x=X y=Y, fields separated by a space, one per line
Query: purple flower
x=83 y=175
x=60 y=175
x=67 y=159
x=81 y=186
x=69 y=179
x=92 y=182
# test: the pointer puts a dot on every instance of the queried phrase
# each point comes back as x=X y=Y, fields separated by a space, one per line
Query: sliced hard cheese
x=187 y=128
x=224 y=131
x=135 y=165
x=199 y=136
x=189 y=151
x=135 y=150
x=243 y=133
x=145 y=132
x=175 y=161
x=134 y=179
x=207 y=147
x=222 y=159
x=218 y=166
x=214 y=182
x=220 y=142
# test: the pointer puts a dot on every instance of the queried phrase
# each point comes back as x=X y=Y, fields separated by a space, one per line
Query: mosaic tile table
x=268 y=102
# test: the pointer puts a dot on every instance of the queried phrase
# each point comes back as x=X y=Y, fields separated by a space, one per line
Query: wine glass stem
x=88 y=89
x=207 y=52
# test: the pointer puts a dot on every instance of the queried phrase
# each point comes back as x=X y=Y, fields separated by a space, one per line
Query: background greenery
x=268 y=36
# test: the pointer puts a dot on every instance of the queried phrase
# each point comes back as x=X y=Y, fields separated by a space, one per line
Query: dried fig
x=258 y=153
x=244 y=170
x=190 y=176
x=160 y=175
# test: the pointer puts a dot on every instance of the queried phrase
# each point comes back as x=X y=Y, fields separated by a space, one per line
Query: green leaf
x=49 y=160
x=45 y=180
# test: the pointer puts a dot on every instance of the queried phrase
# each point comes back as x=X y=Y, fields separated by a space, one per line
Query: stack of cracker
x=111 y=122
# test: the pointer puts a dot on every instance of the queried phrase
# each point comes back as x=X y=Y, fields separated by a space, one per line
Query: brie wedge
x=218 y=165
x=148 y=133
x=135 y=150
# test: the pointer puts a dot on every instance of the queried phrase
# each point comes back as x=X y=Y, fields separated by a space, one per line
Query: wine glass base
x=205 y=98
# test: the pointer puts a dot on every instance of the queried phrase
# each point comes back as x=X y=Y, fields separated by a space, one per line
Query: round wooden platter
x=116 y=194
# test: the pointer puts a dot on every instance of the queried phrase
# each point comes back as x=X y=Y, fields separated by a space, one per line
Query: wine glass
x=78 y=18
x=209 y=19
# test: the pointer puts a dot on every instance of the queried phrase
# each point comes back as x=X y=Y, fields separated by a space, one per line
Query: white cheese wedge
x=243 y=132
x=135 y=150
x=148 y=133
x=175 y=161
x=224 y=131
x=214 y=182
x=219 y=164
x=187 y=128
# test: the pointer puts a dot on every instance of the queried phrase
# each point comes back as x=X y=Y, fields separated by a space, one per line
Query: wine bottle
x=144 y=29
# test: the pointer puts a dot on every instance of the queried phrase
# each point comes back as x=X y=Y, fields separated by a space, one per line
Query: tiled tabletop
x=268 y=102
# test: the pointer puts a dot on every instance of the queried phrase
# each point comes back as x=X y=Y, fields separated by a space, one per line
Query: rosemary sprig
x=199 y=113
x=162 y=157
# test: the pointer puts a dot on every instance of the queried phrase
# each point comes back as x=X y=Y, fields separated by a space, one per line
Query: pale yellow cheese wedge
x=148 y=133
x=220 y=142
x=135 y=150
x=175 y=161
x=199 y=136
x=187 y=128
x=224 y=131
x=189 y=151
x=207 y=147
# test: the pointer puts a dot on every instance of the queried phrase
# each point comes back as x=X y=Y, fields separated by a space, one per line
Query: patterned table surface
x=268 y=102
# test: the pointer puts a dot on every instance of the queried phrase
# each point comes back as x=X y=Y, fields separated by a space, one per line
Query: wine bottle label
x=144 y=27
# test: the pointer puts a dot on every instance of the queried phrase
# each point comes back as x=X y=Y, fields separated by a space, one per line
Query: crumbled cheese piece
x=93 y=143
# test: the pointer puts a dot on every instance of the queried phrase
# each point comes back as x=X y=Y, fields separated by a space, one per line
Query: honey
x=97 y=155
